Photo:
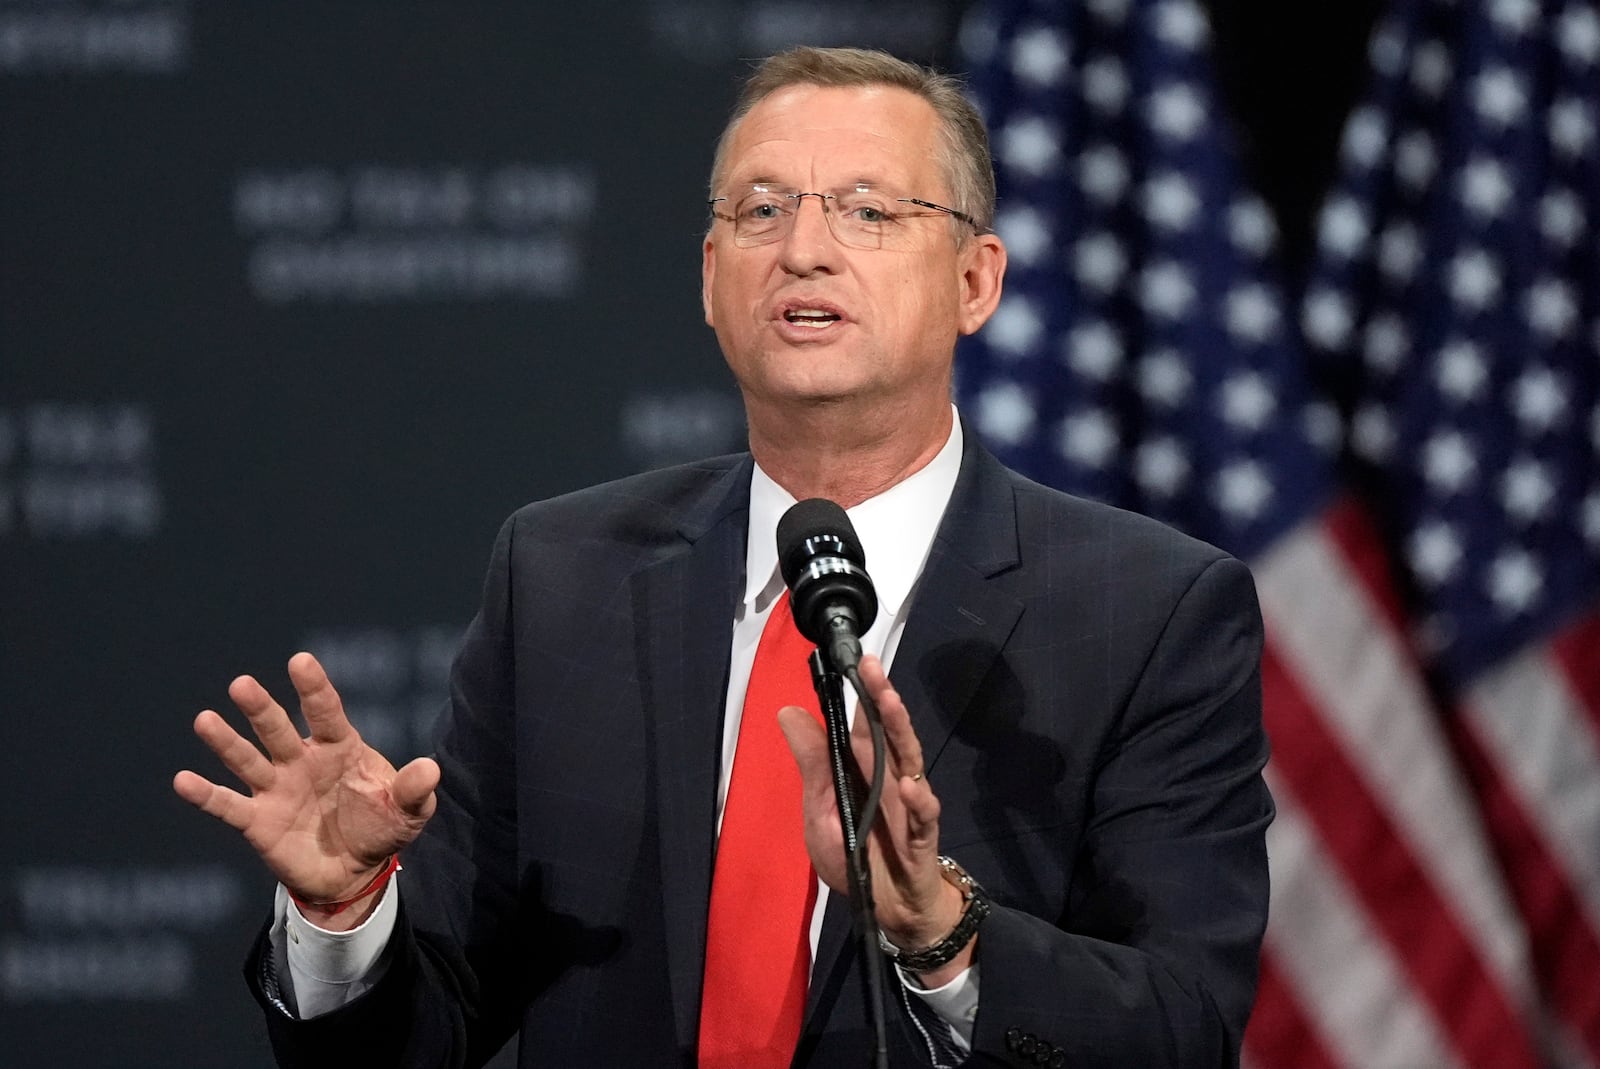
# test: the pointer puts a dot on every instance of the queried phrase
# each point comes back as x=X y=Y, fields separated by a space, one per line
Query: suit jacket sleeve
x=1137 y=942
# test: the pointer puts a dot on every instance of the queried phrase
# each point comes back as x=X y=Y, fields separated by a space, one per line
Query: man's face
x=892 y=316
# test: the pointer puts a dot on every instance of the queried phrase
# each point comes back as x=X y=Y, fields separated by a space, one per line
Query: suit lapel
x=960 y=619
x=957 y=624
x=684 y=605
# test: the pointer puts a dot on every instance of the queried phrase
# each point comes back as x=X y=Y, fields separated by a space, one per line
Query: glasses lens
x=861 y=216
x=865 y=217
x=762 y=214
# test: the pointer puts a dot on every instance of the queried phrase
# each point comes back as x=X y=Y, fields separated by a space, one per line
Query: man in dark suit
x=1073 y=722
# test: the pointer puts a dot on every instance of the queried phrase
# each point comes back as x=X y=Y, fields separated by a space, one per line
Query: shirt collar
x=896 y=528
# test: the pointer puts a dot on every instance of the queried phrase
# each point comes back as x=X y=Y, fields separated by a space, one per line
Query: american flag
x=1407 y=461
x=1456 y=306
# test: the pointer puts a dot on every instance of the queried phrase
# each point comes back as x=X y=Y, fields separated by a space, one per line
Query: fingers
x=414 y=786
x=809 y=743
x=905 y=749
x=238 y=753
x=230 y=807
x=921 y=809
x=267 y=718
x=319 y=702
x=906 y=766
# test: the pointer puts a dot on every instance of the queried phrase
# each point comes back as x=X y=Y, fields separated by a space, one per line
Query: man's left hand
x=916 y=906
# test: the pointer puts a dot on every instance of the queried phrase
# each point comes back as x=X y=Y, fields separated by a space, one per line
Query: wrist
x=342 y=914
x=951 y=950
x=347 y=921
x=929 y=926
x=938 y=978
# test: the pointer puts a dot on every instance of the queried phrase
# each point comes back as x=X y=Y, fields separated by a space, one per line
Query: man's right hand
x=325 y=812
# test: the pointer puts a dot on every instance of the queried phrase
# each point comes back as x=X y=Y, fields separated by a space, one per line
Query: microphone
x=834 y=604
x=825 y=570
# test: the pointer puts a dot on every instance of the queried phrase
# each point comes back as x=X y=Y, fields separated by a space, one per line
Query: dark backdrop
x=296 y=302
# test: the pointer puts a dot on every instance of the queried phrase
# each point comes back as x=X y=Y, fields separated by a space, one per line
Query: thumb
x=809 y=743
x=414 y=786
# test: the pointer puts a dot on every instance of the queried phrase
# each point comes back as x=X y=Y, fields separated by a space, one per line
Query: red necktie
x=758 y=937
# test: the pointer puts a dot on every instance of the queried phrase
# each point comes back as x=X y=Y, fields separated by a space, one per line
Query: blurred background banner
x=297 y=302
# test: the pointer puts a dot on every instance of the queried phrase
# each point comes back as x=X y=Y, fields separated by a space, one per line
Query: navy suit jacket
x=1085 y=684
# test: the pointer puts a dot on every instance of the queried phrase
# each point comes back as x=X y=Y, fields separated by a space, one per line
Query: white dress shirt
x=896 y=529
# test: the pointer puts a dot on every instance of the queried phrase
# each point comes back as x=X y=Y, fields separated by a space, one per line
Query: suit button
x=1013 y=1038
x=1042 y=1055
x=1058 y=1059
x=1029 y=1044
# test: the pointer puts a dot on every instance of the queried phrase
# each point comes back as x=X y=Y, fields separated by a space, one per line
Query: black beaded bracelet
x=975 y=908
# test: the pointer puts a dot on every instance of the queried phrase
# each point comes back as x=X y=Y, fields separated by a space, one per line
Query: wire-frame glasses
x=861 y=216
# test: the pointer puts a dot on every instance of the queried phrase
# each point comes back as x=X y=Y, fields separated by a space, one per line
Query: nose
x=809 y=246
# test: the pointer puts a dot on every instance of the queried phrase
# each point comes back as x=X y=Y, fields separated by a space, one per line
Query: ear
x=983 y=268
x=708 y=271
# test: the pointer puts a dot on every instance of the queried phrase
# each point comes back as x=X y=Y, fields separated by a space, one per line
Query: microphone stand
x=851 y=791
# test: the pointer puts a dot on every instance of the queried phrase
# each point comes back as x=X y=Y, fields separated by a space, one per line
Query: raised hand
x=916 y=906
x=325 y=812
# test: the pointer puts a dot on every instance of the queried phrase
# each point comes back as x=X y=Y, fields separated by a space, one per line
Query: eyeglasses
x=860 y=216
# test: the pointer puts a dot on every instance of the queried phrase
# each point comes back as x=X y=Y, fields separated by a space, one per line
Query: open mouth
x=810 y=317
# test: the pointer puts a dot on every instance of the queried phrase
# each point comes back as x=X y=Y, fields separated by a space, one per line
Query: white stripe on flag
x=1341 y=970
x=1338 y=644
x=1543 y=741
x=1566 y=1049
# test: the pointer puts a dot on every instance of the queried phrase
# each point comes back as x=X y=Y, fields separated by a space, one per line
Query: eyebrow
x=767 y=180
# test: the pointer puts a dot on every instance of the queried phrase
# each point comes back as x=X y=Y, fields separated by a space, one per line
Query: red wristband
x=333 y=909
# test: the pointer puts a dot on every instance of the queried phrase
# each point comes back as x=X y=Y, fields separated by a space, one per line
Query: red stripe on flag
x=1402 y=903
x=1280 y=1034
x=1565 y=949
x=1350 y=527
x=1577 y=650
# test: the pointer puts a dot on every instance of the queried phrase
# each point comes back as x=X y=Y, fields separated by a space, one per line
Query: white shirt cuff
x=956 y=1002
x=328 y=969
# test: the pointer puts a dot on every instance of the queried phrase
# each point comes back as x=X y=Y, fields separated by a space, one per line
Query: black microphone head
x=815 y=527
x=824 y=568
